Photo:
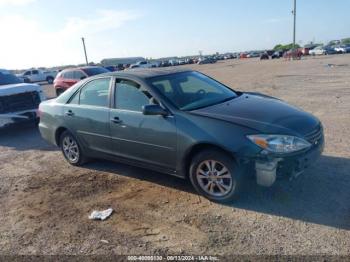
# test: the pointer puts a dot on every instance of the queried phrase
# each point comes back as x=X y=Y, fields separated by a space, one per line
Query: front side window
x=191 y=90
x=130 y=96
x=35 y=72
x=27 y=73
x=95 y=93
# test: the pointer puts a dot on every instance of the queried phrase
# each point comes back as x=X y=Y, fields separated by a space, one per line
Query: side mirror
x=153 y=110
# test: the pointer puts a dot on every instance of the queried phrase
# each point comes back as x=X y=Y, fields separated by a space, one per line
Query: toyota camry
x=183 y=123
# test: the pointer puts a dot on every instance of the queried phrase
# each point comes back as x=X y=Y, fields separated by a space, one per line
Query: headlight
x=279 y=143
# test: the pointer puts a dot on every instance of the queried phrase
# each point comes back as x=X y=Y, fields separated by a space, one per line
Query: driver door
x=135 y=136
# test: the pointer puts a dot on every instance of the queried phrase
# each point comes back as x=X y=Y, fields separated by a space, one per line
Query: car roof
x=79 y=68
x=148 y=72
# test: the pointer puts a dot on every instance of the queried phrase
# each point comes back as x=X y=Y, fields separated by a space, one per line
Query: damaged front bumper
x=270 y=167
x=17 y=117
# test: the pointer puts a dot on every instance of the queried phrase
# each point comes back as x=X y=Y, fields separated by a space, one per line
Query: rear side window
x=95 y=93
x=78 y=75
x=68 y=75
x=130 y=96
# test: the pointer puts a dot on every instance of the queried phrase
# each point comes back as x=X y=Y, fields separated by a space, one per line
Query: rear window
x=95 y=71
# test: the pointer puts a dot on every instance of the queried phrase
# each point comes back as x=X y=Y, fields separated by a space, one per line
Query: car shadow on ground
x=22 y=137
x=321 y=195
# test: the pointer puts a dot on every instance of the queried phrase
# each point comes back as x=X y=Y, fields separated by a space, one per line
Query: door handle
x=69 y=113
x=116 y=120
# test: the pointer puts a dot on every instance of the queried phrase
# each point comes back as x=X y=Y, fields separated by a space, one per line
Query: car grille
x=315 y=136
x=19 y=102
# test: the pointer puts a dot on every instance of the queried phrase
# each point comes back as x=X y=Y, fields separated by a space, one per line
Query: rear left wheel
x=71 y=149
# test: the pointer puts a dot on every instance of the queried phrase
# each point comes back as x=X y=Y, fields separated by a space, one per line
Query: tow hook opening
x=266 y=172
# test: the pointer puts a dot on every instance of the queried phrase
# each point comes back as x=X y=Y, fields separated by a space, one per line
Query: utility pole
x=295 y=18
x=83 y=40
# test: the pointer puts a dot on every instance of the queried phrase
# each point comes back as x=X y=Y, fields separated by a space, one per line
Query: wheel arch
x=58 y=134
x=195 y=149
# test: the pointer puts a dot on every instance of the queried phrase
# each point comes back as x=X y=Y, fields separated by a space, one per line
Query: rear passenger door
x=87 y=115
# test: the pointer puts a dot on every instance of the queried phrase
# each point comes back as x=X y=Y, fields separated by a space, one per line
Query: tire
x=36 y=122
x=50 y=80
x=222 y=190
x=59 y=91
x=71 y=149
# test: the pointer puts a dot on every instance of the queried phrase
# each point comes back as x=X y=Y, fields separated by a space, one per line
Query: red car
x=68 y=77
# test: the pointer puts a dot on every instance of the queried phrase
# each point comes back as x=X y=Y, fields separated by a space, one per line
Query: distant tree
x=285 y=47
x=278 y=47
x=345 y=41
x=334 y=42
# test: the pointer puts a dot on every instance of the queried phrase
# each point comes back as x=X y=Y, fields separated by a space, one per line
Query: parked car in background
x=340 y=49
x=36 y=75
x=206 y=60
x=143 y=64
x=181 y=62
x=186 y=124
x=19 y=101
x=295 y=54
x=319 y=50
x=329 y=50
x=277 y=55
x=264 y=56
x=253 y=54
x=347 y=48
x=68 y=77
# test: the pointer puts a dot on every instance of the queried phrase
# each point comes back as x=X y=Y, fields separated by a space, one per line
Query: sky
x=48 y=32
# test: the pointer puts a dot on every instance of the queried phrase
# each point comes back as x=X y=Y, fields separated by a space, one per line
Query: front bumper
x=18 y=117
x=269 y=168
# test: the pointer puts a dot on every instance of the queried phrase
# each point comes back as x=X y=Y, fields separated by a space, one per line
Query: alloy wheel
x=70 y=149
x=214 y=178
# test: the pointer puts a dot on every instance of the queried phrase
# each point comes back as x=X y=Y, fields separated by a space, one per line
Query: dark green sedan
x=183 y=123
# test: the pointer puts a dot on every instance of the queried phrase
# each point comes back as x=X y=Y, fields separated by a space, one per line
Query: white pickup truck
x=143 y=64
x=19 y=102
x=35 y=75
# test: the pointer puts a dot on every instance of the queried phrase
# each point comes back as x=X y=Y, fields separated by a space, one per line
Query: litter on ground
x=101 y=215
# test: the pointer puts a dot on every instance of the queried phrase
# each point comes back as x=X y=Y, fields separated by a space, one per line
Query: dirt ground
x=45 y=203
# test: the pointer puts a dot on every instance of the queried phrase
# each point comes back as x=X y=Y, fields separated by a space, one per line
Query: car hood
x=13 y=89
x=265 y=114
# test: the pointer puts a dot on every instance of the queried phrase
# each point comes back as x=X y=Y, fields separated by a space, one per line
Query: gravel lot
x=45 y=203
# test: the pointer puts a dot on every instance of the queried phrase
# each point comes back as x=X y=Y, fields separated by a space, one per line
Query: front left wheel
x=216 y=176
x=71 y=149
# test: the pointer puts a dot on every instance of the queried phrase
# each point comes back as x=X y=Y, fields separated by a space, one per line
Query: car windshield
x=191 y=90
x=91 y=71
x=8 y=79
